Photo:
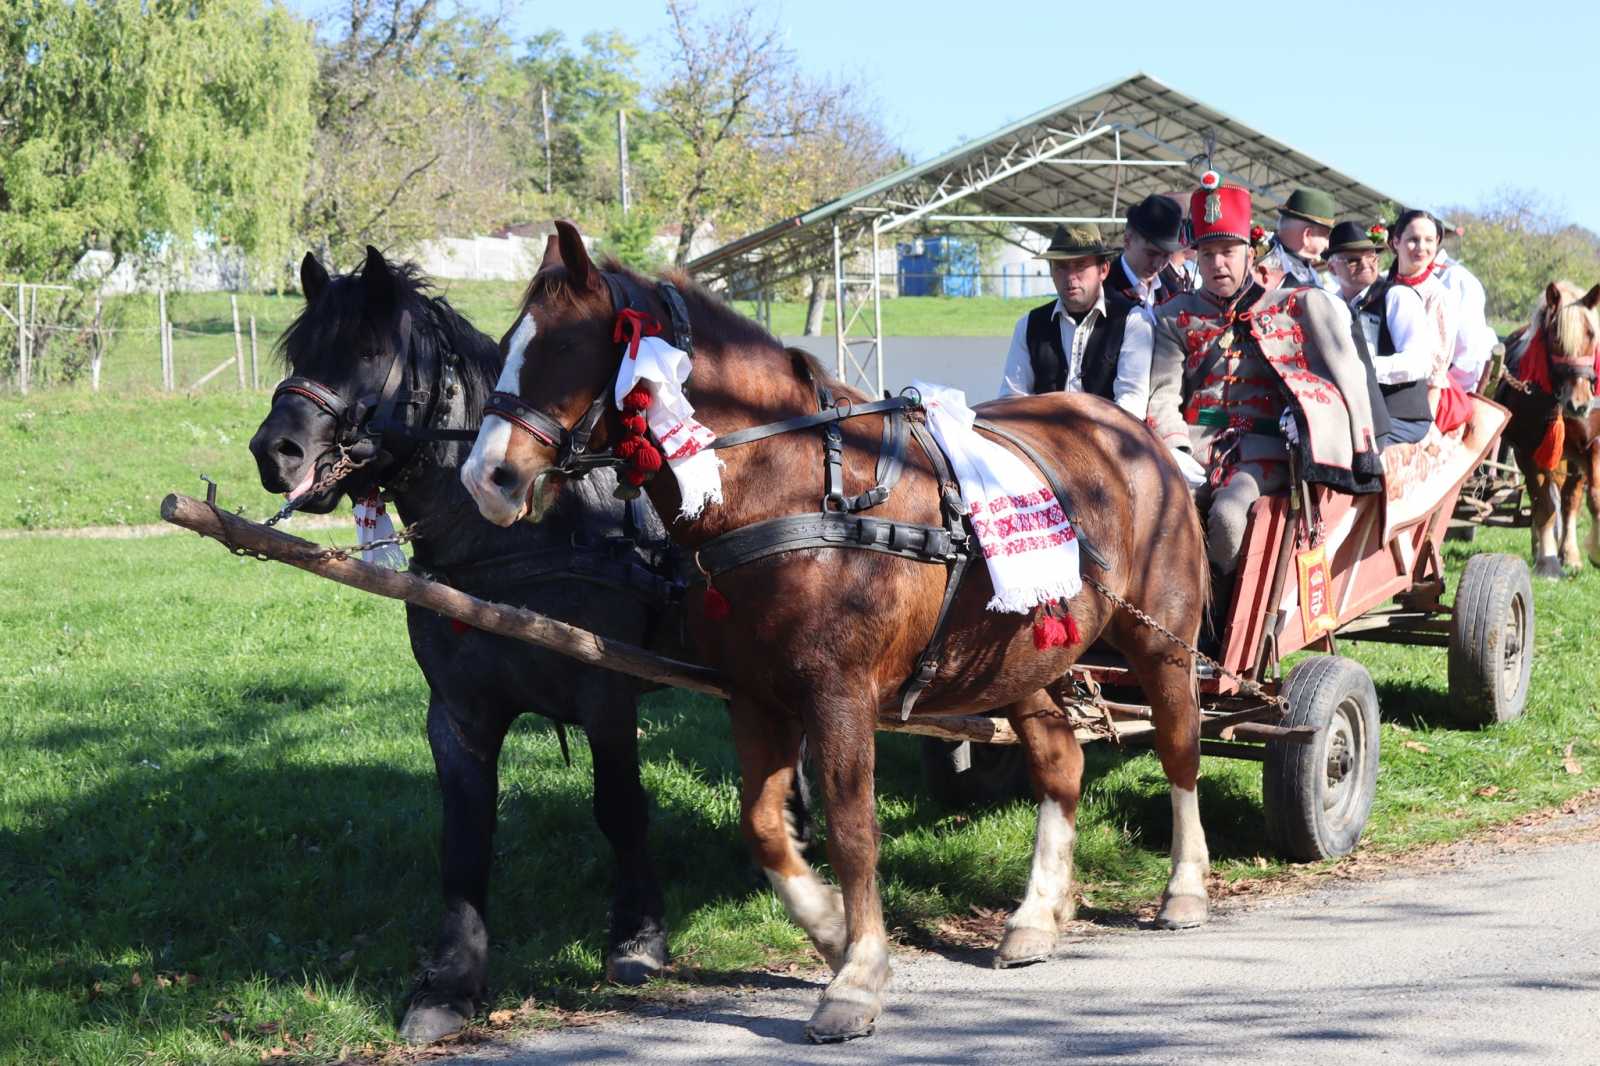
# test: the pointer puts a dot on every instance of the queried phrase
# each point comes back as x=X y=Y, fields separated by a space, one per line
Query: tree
x=133 y=126
x=410 y=140
x=1516 y=245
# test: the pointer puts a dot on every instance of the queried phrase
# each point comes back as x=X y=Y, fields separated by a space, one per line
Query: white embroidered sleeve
x=1413 y=339
x=1474 y=339
x=1017 y=380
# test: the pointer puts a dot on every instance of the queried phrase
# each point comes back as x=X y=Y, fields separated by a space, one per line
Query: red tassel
x=639 y=397
x=1048 y=632
x=647 y=458
x=634 y=477
x=715 y=604
x=629 y=446
x=634 y=424
x=1550 y=450
x=1073 y=636
x=458 y=627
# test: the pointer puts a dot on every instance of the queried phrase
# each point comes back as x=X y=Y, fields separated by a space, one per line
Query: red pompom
x=1073 y=636
x=634 y=424
x=458 y=627
x=715 y=605
x=635 y=477
x=1210 y=180
x=1048 y=632
x=647 y=458
x=629 y=446
x=639 y=397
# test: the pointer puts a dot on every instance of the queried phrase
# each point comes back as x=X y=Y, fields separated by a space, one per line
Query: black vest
x=1410 y=400
x=1099 y=372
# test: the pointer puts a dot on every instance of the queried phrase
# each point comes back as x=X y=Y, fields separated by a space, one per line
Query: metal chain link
x=1245 y=684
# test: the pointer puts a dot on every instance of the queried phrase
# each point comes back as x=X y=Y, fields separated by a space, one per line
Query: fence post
x=255 y=365
x=99 y=347
x=22 y=338
x=238 y=343
x=161 y=331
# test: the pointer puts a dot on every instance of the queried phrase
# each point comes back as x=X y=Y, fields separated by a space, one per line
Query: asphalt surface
x=1482 y=953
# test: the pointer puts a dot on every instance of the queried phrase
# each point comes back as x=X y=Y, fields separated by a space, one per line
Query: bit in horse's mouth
x=542 y=493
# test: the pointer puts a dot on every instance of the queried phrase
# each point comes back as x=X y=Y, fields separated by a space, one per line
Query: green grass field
x=218 y=818
x=203 y=328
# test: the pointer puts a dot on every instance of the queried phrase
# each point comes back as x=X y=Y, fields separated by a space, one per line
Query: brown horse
x=1553 y=432
x=818 y=641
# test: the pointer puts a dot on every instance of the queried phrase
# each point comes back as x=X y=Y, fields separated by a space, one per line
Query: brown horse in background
x=1553 y=432
x=819 y=640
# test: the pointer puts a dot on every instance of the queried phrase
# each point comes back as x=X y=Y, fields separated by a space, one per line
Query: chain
x=1244 y=683
x=341 y=468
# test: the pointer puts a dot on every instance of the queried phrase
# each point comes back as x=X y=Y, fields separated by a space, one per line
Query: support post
x=99 y=347
x=622 y=160
x=238 y=340
x=544 y=110
x=255 y=361
x=838 y=302
x=877 y=318
x=23 y=355
x=166 y=347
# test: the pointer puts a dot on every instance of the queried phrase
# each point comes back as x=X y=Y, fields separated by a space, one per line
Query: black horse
x=378 y=366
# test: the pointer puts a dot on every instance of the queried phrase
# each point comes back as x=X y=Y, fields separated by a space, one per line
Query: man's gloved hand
x=1193 y=472
x=1291 y=431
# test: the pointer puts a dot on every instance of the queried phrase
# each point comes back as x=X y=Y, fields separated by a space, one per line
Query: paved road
x=1490 y=954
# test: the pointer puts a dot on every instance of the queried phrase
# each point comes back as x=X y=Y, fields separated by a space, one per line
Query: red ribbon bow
x=633 y=326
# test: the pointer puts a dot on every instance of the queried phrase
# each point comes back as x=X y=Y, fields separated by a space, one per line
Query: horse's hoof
x=1023 y=945
x=639 y=959
x=844 y=1014
x=1549 y=567
x=1182 y=912
x=429 y=1023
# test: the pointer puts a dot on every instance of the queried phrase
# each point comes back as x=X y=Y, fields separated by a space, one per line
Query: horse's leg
x=1167 y=678
x=453 y=984
x=842 y=724
x=1546 y=514
x=768 y=747
x=1571 y=504
x=1055 y=764
x=638 y=941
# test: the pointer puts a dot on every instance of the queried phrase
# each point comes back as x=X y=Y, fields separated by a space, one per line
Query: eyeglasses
x=1364 y=259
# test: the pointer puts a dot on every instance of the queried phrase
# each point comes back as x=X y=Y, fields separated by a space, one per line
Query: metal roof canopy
x=1083 y=160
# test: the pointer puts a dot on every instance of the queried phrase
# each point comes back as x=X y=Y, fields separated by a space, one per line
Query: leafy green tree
x=1516 y=246
x=132 y=126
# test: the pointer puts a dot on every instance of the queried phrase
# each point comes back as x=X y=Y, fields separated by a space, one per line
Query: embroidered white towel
x=683 y=441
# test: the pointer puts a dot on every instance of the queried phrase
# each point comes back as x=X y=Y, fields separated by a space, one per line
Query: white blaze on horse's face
x=500 y=501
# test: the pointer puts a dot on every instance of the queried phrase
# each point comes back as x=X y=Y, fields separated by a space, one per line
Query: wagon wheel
x=1317 y=796
x=1491 y=641
x=994 y=773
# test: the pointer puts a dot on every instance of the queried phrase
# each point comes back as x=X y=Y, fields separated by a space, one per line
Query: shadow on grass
x=1413 y=704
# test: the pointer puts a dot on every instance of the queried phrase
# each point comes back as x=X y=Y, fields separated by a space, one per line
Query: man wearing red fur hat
x=1239 y=376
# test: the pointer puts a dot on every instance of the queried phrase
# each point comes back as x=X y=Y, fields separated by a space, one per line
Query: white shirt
x=1145 y=289
x=1475 y=340
x=1303 y=273
x=1414 y=333
x=1131 y=389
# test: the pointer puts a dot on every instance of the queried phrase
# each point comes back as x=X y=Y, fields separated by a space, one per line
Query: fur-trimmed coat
x=1264 y=352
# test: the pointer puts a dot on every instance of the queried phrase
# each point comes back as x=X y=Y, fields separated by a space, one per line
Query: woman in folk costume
x=1416 y=333
x=1239 y=376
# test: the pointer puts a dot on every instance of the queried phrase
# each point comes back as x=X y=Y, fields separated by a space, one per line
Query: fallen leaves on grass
x=1572 y=765
x=1488 y=791
x=1416 y=746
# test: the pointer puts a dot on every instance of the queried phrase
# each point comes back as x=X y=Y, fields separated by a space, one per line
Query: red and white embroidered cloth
x=1027 y=542
x=372 y=523
x=683 y=441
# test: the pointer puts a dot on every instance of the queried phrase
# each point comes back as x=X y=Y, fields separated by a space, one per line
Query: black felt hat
x=1352 y=237
x=1159 y=220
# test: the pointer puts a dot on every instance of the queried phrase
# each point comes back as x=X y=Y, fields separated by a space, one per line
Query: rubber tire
x=1294 y=777
x=998 y=774
x=1494 y=596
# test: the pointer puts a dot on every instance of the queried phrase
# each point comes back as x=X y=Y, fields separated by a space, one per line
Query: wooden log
x=525 y=625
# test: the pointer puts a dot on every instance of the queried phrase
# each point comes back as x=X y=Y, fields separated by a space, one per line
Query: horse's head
x=551 y=416
x=1572 y=338
x=356 y=344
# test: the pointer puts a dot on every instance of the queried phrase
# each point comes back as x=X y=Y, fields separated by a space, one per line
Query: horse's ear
x=376 y=276
x=1552 y=296
x=1591 y=299
x=574 y=256
x=552 y=252
x=313 y=277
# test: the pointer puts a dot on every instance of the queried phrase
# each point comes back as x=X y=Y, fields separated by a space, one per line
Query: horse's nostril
x=288 y=448
x=502 y=477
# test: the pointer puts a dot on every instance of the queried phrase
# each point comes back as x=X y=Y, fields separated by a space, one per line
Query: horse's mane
x=1566 y=334
x=344 y=322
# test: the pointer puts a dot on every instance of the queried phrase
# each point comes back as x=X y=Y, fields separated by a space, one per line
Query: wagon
x=1315 y=728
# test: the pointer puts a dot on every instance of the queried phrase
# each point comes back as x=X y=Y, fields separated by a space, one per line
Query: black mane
x=355 y=316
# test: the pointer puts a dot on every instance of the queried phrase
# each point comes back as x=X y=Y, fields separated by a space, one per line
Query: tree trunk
x=816 y=303
x=690 y=223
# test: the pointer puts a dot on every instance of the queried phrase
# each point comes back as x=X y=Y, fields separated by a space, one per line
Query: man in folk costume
x=1304 y=224
x=1240 y=376
x=1143 y=273
x=1089 y=339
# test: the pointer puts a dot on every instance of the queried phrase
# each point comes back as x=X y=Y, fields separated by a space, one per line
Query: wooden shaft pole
x=238 y=340
x=255 y=359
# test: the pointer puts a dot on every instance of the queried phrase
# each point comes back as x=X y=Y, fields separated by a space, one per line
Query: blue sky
x=1432 y=103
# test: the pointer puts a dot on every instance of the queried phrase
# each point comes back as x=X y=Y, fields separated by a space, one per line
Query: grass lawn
x=203 y=327
x=218 y=818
